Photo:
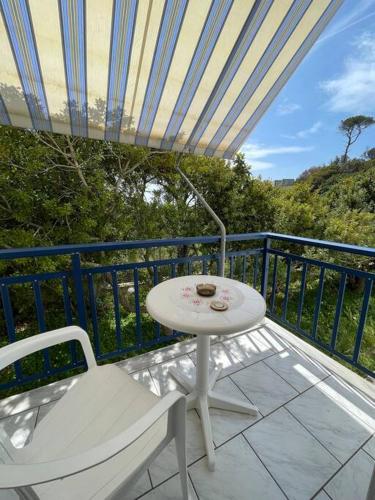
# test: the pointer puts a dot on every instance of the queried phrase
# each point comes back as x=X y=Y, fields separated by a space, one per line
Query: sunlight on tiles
x=162 y=378
x=306 y=373
x=353 y=409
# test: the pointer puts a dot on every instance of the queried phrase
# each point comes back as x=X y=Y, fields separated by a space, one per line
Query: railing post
x=362 y=320
x=78 y=287
x=265 y=266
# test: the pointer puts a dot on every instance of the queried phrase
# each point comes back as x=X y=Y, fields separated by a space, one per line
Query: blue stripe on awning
x=124 y=14
x=173 y=15
x=4 y=116
x=214 y=24
x=182 y=67
x=73 y=26
x=280 y=38
x=17 y=20
x=253 y=22
x=283 y=78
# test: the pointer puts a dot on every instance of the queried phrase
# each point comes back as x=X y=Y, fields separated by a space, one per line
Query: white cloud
x=287 y=108
x=302 y=134
x=260 y=165
x=354 y=90
x=288 y=136
x=309 y=131
x=255 y=152
x=259 y=151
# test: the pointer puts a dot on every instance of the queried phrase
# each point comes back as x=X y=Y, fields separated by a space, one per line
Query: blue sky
x=335 y=80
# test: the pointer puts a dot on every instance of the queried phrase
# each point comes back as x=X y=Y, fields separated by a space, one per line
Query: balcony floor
x=313 y=439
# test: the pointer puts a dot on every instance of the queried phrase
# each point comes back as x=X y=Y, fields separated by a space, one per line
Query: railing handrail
x=329 y=245
x=19 y=253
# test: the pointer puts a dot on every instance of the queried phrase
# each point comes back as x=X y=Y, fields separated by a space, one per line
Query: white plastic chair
x=98 y=438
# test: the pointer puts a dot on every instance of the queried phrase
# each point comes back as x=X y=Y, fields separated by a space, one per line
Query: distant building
x=284 y=182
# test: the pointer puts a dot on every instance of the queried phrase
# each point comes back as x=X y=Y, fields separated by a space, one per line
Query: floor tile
x=322 y=496
x=226 y=424
x=139 y=488
x=296 y=460
x=220 y=356
x=263 y=387
x=296 y=369
x=248 y=348
x=275 y=331
x=350 y=399
x=341 y=432
x=20 y=427
x=269 y=338
x=164 y=382
x=170 y=490
x=165 y=465
x=239 y=475
x=370 y=447
x=353 y=480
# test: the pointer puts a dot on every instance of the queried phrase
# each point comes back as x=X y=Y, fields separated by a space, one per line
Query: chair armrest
x=19 y=475
x=17 y=350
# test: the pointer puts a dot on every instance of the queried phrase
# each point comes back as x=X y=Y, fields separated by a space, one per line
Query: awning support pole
x=213 y=215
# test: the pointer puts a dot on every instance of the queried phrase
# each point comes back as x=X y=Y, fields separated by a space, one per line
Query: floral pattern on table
x=189 y=296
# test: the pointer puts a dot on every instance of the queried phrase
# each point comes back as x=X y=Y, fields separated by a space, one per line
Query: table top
x=175 y=303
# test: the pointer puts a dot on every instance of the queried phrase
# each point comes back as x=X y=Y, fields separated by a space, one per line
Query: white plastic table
x=176 y=304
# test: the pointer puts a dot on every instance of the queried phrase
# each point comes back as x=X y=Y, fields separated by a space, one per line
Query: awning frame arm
x=216 y=218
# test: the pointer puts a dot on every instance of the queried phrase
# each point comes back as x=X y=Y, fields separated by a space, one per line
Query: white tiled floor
x=239 y=475
x=338 y=430
x=296 y=460
x=314 y=436
x=220 y=355
x=370 y=447
x=296 y=369
x=351 y=482
x=164 y=381
x=264 y=387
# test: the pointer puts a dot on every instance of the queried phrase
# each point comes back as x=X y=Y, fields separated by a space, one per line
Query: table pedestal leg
x=202 y=396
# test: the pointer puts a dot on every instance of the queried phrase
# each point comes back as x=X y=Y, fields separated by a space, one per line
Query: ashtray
x=217 y=305
x=206 y=289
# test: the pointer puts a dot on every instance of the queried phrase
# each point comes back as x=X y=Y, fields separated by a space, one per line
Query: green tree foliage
x=56 y=190
x=352 y=128
x=370 y=154
x=298 y=207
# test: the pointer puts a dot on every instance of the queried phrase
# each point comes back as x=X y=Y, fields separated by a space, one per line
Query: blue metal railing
x=267 y=268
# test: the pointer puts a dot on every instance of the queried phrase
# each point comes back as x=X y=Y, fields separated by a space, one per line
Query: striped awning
x=187 y=75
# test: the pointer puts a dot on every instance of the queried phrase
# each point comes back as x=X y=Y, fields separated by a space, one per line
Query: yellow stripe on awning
x=184 y=75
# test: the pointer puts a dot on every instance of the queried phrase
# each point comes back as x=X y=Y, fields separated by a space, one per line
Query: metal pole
x=213 y=215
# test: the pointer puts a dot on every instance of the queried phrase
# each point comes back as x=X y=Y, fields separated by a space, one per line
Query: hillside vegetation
x=57 y=189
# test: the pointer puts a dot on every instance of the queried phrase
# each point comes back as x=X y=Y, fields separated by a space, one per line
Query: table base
x=202 y=396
